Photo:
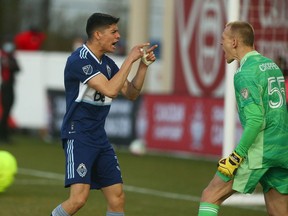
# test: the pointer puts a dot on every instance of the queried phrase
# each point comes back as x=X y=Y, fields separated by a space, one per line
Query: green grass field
x=154 y=184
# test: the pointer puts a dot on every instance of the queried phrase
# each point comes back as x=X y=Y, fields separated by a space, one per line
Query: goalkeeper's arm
x=254 y=121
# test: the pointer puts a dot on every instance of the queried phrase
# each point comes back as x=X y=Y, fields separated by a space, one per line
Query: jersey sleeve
x=249 y=100
x=247 y=89
x=84 y=70
x=254 y=123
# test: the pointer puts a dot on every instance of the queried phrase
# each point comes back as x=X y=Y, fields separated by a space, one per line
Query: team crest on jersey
x=82 y=170
x=87 y=69
x=245 y=93
x=108 y=70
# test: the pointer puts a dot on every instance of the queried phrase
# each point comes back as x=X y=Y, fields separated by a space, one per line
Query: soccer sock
x=114 y=213
x=208 y=209
x=59 y=211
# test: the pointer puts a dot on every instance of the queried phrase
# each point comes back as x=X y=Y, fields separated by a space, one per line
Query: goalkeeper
x=261 y=154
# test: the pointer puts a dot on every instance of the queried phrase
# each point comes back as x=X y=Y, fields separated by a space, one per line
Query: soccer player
x=261 y=154
x=92 y=80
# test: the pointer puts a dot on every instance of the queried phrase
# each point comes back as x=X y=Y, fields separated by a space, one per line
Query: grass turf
x=155 y=184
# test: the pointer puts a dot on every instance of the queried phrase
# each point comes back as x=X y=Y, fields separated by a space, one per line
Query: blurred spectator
x=8 y=68
x=282 y=64
x=30 y=40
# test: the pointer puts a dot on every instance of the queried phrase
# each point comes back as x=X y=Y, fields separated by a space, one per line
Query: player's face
x=110 y=36
x=227 y=45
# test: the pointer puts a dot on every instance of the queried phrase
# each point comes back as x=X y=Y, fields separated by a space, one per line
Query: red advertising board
x=182 y=123
x=199 y=64
x=269 y=19
x=191 y=120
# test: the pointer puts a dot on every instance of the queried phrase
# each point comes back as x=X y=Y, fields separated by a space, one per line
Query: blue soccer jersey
x=86 y=108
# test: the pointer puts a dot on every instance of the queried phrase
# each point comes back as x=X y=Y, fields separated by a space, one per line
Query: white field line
x=255 y=201
x=41 y=174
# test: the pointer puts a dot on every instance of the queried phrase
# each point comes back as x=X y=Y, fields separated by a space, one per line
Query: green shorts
x=246 y=180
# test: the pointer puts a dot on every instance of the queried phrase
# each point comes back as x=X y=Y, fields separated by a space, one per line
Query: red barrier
x=182 y=123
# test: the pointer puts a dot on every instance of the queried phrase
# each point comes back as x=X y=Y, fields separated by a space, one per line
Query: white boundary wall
x=41 y=71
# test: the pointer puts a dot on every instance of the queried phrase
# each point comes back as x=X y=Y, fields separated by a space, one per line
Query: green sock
x=208 y=209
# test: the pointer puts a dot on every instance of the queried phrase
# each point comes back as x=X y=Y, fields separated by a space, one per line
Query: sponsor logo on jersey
x=82 y=170
x=87 y=69
x=245 y=93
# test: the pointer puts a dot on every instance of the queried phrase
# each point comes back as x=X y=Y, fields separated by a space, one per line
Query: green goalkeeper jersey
x=259 y=81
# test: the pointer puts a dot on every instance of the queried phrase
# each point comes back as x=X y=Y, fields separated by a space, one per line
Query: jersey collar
x=92 y=54
x=252 y=53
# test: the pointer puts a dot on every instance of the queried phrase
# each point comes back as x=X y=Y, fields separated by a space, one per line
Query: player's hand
x=137 y=52
x=148 y=55
x=228 y=166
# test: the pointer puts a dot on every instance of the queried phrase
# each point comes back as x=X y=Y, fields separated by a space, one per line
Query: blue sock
x=114 y=213
x=59 y=211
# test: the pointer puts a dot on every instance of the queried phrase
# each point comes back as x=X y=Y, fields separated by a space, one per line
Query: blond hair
x=243 y=30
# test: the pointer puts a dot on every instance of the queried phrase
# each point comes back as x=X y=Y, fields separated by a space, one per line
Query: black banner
x=120 y=123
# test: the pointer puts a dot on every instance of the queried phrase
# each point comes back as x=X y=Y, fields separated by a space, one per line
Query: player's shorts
x=246 y=180
x=88 y=164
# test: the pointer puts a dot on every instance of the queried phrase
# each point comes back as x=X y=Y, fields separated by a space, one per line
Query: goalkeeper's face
x=228 y=45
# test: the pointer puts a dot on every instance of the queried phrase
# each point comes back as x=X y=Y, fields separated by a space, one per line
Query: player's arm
x=131 y=89
x=254 y=123
x=112 y=87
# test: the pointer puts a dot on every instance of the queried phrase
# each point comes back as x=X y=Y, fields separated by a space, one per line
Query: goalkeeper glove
x=228 y=166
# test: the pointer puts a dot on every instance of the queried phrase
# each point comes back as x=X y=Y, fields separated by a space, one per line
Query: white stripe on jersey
x=91 y=77
x=70 y=159
x=87 y=95
x=83 y=53
x=91 y=53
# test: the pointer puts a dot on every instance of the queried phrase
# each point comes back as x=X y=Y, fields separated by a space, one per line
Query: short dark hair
x=244 y=30
x=99 y=20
